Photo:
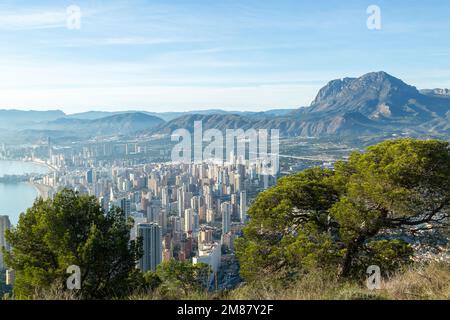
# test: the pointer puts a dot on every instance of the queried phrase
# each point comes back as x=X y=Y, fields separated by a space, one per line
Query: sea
x=15 y=198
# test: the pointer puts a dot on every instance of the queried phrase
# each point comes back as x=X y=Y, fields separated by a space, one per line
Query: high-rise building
x=144 y=202
x=194 y=203
x=210 y=216
x=243 y=206
x=152 y=246
x=209 y=254
x=5 y=224
x=202 y=214
x=180 y=199
x=226 y=216
x=228 y=240
x=188 y=220
x=237 y=183
x=163 y=220
x=195 y=222
x=154 y=211
x=125 y=205
x=165 y=197
x=90 y=176
x=205 y=235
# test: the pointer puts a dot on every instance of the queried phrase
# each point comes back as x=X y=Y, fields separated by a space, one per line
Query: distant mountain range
x=63 y=127
x=123 y=124
x=93 y=123
x=168 y=116
x=376 y=103
x=20 y=119
x=373 y=104
x=436 y=92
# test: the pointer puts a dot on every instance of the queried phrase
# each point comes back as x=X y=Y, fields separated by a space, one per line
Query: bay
x=17 y=197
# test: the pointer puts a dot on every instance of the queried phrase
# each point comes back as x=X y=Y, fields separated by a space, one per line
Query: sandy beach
x=43 y=190
x=43 y=163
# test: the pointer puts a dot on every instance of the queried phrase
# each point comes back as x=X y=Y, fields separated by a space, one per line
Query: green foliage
x=391 y=254
x=182 y=275
x=397 y=184
x=152 y=280
x=72 y=230
x=289 y=225
x=332 y=219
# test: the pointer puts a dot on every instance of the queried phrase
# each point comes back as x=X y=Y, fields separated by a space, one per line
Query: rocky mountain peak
x=364 y=94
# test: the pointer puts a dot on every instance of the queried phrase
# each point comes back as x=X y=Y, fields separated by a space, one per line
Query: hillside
x=121 y=124
x=11 y=119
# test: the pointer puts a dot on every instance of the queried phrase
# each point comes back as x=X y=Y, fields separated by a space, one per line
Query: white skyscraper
x=180 y=199
x=243 y=207
x=209 y=253
x=165 y=197
x=152 y=246
x=188 y=220
x=5 y=224
x=209 y=215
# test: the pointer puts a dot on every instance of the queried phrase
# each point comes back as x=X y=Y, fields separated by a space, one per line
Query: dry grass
x=417 y=283
x=420 y=282
x=55 y=292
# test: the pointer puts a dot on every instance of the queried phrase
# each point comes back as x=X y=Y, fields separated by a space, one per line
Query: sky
x=179 y=55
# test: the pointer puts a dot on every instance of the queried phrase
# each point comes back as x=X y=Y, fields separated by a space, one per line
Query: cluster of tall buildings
x=188 y=212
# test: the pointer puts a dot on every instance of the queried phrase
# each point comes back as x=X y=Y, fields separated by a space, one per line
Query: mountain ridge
x=375 y=103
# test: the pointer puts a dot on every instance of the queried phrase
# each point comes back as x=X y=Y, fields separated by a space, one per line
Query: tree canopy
x=72 y=229
x=347 y=218
x=184 y=276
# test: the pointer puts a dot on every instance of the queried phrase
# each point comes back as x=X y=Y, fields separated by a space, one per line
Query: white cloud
x=33 y=20
x=125 y=41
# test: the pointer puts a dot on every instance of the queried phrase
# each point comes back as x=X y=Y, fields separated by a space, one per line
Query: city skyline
x=185 y=55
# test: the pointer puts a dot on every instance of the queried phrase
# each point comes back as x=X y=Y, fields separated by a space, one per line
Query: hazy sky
x=177 y=55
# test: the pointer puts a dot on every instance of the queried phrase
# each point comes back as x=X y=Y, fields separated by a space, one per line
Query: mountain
x=375 y=103
x=11 y=119
x=384 y=103
x=168 y=116
x=374 y=95
x=34 y=125
x=119 y=124
x=436 y=92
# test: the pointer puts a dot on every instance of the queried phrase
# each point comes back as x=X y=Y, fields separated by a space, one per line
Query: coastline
x=42 y=163
x=37 y=162
x=41 y=189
